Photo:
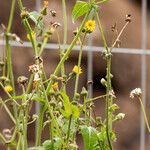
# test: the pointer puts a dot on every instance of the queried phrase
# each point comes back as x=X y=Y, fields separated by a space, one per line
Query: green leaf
x=75 y=111
x=79 y=9
x=38 y=99
x=47 y=145
x=67 y=106
x=34 y=16
x=90 y=138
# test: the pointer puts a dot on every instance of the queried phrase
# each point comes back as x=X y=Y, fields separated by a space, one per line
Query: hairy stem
x=40 y=125
x=108 y=88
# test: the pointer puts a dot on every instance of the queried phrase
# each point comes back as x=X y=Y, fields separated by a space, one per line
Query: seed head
x=135 y=92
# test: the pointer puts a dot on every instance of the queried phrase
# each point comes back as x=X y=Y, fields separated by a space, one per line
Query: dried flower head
x=77 y=70
x=90 y=25
x=22 y=80
x=135 y=92
x=128 y=18
x=8 y=88
x=56 y=25
x=53 y=13
x=35 y=68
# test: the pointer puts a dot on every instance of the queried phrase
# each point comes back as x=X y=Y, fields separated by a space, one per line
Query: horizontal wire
x=53 y=46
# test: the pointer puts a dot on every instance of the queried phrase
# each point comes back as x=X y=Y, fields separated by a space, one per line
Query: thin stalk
x=20 y=4
x=40 y=125
x=108 y=88
x=65 y=37
x=96 y=98
x=32 y=38
x=144 y=113
x=119 y=35
x=79 y=64
x=8 y=49
x=8 y=111
x=29 y=29
x=19 y=142
x=58 y=68
x=29 y=84
x=24 y=118
x=2 y=138
x=43 y=45
x=102 y=1
x=52 y=133
x=68 y=132
x=102 y=32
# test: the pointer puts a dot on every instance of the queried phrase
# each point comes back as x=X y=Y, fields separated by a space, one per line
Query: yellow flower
x=33 y=36
x=77 y=70
x=8 y=88
x=46 y=3
x=55 y=86
x=90 y=25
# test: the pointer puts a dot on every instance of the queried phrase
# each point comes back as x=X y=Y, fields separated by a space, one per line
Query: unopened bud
x=103 y=82
x=120 y=116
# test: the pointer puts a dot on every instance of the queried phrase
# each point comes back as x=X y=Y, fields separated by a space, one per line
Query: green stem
x=32 y=38
x=24 y=117
x=8 y=111
x=65 y=38
x=79 y=64
x=11 y=16
x=2 y=138
x=144 y=113
x=8 y=49
x=58 y=68
x=20 y=4
x=19 y=142
x=68 y=132
x=40 y=125
x=102 y=1
x=108 y=88
x=30 y=83
x=44 y=44
x=29 y=30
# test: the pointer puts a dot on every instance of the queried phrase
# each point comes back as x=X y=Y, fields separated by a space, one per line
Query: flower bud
x=120 y=116
x=103 y=82
x=22 y=80
x=84 y=92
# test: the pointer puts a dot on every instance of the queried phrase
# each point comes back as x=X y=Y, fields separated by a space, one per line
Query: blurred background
x=130 y=62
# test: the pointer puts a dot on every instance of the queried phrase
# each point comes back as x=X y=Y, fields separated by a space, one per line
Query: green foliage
x=56 y=145
x=69 y=109
x=36 y=18
x=65 y=116
x=90 y=138
x=79 y=9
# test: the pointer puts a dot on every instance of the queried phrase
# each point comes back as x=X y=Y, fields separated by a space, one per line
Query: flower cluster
x=135 y=92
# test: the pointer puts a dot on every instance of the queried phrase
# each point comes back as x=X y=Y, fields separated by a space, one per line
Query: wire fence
x=90 y=49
